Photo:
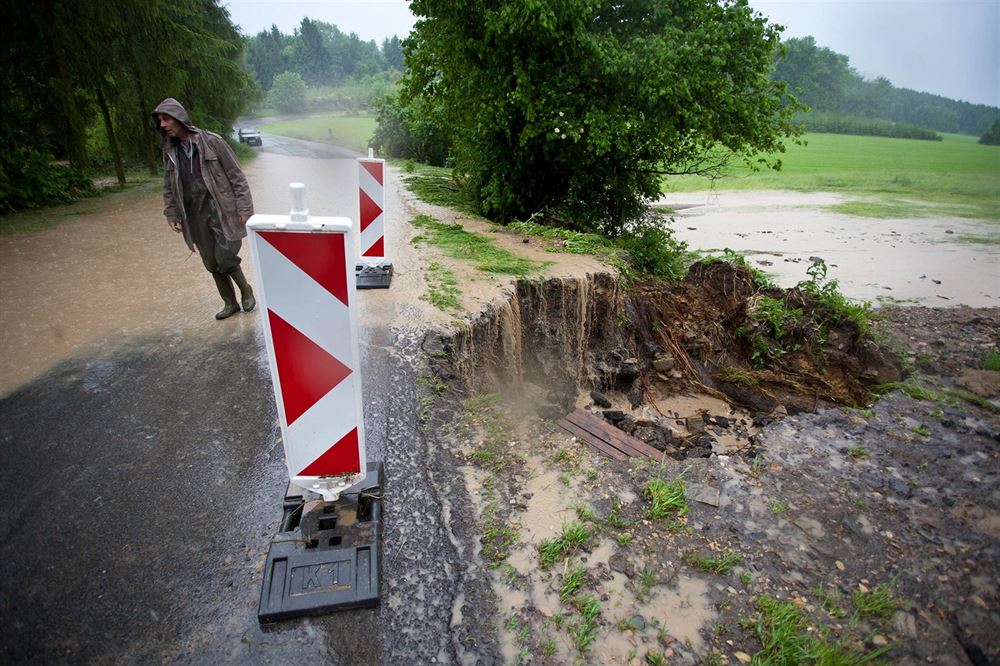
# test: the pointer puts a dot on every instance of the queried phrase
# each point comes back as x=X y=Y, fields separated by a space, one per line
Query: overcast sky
x=946 y=47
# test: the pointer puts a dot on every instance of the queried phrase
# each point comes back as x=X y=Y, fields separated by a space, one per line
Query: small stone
x=638 y=623
x=600 y=399
x=840 y=565
x=904 y=624
x=862 y=588
x=664 y=363
x=743 y=657
x=879 y=640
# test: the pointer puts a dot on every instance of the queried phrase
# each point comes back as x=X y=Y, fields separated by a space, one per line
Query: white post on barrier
x=372 y=271
x=306 y=292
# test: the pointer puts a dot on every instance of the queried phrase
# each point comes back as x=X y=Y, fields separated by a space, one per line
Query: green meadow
x=348 y=131
x=888 y=177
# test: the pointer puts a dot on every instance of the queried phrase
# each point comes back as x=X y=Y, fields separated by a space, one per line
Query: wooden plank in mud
x=603 y=436
x=599 y=444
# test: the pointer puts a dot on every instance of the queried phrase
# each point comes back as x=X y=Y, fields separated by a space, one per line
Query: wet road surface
x=141 y=470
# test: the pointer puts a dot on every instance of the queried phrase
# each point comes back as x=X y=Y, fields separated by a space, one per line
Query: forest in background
x=81 y=79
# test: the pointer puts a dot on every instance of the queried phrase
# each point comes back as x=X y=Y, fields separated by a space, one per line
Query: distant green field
x=892 y=176
x=348 y=131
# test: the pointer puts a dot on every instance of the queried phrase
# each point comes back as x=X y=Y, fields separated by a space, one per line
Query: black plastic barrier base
x=374 y=276
x=327 y=555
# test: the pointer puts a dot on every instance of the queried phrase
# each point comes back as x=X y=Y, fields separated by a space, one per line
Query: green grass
x=788 y=638
x=458 y=243
x=585 y=631
x=666 y=498
x=991 y=361
x=720 y=564
x=572 y=581
x=498 y=535
x=349 y=131
x=735 y=376
x=877 y=602
x=442 y=288
x=437 y=186
x=573 y=537
x=890 y=173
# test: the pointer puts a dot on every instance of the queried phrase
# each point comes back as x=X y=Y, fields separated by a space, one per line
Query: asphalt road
x=141 y=482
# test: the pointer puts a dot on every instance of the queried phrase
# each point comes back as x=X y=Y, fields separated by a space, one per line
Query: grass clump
x=498 y=535
x=584 y=632
x=912 y=390
x=574 y=536
x=787 y=639
x=830 y=600
x=991 y=361
x=878 y=602
x=456 y=242
x=442 y=288
x=721 y=564
x=735 y=376
x=572 y=582
x=647 y=579
x=667 y=498
x=961 y=394
x=827 y=293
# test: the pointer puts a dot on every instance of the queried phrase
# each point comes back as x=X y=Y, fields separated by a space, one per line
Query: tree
x=265 y=54
x=288 y=94
x=312 y=55
x=818 y=76
x=992 y=135
x=579 y=108
x=392 y=51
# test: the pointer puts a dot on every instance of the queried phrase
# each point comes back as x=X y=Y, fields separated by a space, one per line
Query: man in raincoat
x=206 y=197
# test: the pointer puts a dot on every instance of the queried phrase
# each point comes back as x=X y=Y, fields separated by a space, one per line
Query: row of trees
x=83 y=77
x=825 y=81
x=319 y=53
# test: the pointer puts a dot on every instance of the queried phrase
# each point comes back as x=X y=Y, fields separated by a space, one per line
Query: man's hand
x=176 y=226
x=244 y=218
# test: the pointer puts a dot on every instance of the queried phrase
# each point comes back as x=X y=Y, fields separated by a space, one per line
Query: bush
x=415 y=131
x=992 y=136
x=838 y=123
x=288 y=94
x=653 y=250
x=29 y=179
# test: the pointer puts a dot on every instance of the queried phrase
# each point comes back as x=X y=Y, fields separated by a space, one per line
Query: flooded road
x=928 y=261
x=141 y=467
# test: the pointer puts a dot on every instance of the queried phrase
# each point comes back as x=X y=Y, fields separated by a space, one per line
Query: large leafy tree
x=72 y=67
x=579 y=108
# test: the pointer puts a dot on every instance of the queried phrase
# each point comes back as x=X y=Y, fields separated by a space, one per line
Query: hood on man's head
x=173 y=108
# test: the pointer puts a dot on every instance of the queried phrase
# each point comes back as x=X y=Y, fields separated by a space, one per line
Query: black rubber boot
x=246 y=293
x=225 y=287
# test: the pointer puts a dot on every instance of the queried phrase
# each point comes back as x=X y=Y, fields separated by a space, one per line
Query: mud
x=818 y=492
x=926 y=260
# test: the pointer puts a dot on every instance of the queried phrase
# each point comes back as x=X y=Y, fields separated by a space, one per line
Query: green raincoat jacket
x=220 y=170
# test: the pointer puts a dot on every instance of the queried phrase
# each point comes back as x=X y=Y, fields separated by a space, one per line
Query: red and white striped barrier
x=306 y=292
x=371 y=208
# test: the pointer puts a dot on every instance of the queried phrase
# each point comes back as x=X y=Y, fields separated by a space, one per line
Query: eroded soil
x=826 y=508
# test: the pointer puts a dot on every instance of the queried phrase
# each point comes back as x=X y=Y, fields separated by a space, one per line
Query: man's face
x=172 y=126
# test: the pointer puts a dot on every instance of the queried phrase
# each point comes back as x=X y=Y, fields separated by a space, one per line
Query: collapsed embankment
x=704 y=335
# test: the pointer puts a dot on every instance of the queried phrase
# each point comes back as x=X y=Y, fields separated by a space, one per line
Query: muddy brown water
x=114 y=269
x=922 y=260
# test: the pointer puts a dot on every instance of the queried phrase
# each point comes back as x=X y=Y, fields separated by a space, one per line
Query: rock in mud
x=600 y=399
